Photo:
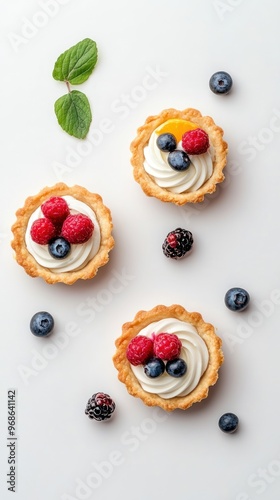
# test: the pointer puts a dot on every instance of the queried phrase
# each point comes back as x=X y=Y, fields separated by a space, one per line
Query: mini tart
x=205 y=330
x=219 y=152
x=27 y=261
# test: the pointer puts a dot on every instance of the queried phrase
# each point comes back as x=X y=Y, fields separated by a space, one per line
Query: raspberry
x=139 y=350
x=100 y=406
x=167 y=346
x=195 y=142
x=77 y=228
x=177 y=243
x=42 y=231
x=56 y=209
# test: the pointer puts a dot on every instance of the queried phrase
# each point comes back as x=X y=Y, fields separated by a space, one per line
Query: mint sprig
x=74 y=67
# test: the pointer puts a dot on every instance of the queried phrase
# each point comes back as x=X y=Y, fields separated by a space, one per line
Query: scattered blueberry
x=237 y=299
x=220 y=82
x=41 y=324
x=228 y=422
x=59 y=248
x=166 y=142
x=178 y=160
x=176 y=367
x=154 y=367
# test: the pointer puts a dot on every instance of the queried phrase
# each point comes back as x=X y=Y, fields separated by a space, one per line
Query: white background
x=143 y=452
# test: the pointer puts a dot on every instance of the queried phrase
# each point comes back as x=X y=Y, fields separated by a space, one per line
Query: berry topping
x=77 y=228
x=228 y=422
x=176 y=367
x=237 y=299
x=178 y=160
x=139 y=350
x=166 y=142
x=195 y=142
x=42 y=231
x=100 y=407
x=154 y=367
x=59 y=248
x=167 y=346
x=56 y=209
x=41 y=324
x=220 y=82
x=177 y=243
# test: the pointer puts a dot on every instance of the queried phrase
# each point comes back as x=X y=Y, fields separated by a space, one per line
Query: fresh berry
x=41 y=324
x=166 y=142
x=237 y=299
x=42 y=231
x=77 y=228
x=220 y=82
x=195 y=142
x=177 y=243
x=59 y=248
x=154 y=367
x=56 y=209
x=178 y=160
x=139 y=350
x=167 y=346
x=100 y=407
x=176 y=367
x=228 y=422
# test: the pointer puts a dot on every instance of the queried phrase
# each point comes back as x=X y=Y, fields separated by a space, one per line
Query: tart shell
x=27 y=261
x=205 y=330
x=219 y=147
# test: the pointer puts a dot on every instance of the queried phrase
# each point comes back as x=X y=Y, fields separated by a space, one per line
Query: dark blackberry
x=177 y=243
x=100 y=407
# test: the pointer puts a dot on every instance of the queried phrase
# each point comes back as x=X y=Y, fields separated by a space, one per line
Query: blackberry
x=177 y=243
x=100 y=407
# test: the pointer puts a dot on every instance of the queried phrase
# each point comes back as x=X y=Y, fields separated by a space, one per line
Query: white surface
x=182 y=455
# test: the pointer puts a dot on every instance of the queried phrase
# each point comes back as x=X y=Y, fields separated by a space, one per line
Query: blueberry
x=154 y=367
x=178 y=160
x=41 y=324
x=237 y=299
x=228 y=422
x=176 y=367
x=59 y=248
x=166 y=142
x=220 y=82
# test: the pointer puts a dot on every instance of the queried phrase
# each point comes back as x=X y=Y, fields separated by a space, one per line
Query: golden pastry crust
x=219 y=147
x=27 y=261
x=205 y=330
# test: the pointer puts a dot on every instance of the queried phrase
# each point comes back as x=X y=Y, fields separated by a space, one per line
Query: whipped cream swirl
x=79 y=255
x=156 y=165
x=194 y=352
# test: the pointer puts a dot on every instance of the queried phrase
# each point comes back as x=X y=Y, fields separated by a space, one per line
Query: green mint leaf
x=74 y=114
x=76 y=64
